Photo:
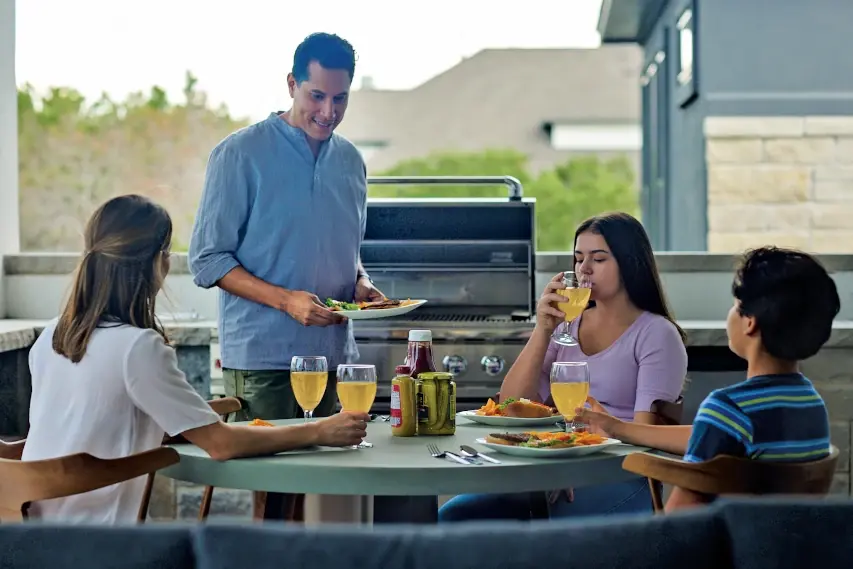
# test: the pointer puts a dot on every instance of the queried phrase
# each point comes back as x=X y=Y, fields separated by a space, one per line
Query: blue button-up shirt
x=290 y=220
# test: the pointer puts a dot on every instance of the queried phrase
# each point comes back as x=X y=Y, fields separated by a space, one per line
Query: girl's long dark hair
x=629 y=243
x=119 y=275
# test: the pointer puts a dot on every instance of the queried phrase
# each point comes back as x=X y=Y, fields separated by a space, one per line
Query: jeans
x=629 y=497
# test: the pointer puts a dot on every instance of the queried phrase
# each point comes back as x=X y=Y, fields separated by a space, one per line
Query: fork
x=436 y=453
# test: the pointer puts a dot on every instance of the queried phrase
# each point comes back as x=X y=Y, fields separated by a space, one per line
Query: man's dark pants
x=268 y=395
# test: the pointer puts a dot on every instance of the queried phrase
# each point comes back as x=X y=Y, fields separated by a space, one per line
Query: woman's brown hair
x=630 y=245
x=119 y=275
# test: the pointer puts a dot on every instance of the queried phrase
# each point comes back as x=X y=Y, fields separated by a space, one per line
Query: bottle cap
x=420 y=335
x=403 y=370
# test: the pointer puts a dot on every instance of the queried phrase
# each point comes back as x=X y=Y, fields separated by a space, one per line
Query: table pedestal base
x=370 y=510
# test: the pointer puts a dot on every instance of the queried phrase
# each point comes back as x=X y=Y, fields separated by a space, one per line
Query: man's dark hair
x=329 y=50
x=792 y=298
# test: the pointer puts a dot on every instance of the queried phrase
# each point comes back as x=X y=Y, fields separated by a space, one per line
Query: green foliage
x=565 y=195
x=75 y=154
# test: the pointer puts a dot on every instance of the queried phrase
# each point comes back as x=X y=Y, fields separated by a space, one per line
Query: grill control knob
x=492 y=365
x=455 y=365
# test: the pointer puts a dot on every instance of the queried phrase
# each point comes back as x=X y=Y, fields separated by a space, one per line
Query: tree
x=565 y=195
x=74 y=155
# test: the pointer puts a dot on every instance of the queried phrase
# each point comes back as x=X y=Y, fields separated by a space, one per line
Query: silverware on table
x=474 y=453
x=433 y=450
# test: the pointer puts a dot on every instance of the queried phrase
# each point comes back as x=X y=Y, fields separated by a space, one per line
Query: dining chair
x=12 y=450
x=729 y=475
x=24 y=482
x=225 y=407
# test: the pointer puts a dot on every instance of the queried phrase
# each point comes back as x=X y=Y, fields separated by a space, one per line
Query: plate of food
x=547 y=444
x=372 y=310
x=513 y=413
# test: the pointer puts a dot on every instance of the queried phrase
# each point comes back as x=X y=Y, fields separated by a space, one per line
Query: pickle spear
x=443 y=402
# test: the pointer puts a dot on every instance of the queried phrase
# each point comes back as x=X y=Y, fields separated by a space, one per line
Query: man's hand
x=308 y=310
x=343 y=429
x=599 y=420
x=365 y=291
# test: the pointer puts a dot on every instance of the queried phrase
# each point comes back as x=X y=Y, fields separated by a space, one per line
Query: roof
x=499 y=98
x=628 y=21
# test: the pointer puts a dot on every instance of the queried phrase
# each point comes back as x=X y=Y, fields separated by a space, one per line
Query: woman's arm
x=525 y=376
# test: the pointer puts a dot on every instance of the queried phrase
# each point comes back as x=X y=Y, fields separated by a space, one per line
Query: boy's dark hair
x=329 y=50
x=792 y=298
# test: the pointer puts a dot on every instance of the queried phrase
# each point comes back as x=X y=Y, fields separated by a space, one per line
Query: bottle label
x=396 y=411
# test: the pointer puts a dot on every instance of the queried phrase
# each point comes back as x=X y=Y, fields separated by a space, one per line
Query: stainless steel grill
x=473 y=260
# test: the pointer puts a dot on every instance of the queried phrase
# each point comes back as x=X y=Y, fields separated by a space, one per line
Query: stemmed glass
x=569 y=389
x=308 y=378
x=577 y=293
x=357 y=390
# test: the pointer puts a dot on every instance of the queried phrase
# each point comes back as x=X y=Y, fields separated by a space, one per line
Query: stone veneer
x=786 y=181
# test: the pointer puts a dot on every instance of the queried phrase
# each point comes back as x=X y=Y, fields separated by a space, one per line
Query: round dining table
x=398 y=478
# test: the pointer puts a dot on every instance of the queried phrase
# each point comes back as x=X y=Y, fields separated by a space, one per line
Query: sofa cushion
x=776 y=533
x=696 y=539
x=37 y=546
x=276 y=546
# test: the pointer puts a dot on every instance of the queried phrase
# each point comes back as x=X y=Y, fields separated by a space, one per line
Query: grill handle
x=514 y=188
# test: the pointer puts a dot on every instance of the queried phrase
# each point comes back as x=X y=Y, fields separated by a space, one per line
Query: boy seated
x=784 y=305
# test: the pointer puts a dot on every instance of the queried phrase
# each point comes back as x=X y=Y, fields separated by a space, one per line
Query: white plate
x=381 y=312
x=496 y=421
x=528 y=452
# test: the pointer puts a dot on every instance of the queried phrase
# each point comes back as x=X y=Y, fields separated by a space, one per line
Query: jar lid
x=420 y=335
x=403 y=370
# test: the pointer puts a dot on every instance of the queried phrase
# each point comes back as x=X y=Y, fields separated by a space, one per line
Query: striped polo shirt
x=767 y=417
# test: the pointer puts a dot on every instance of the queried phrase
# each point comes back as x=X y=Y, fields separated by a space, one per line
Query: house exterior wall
x=762 y=58
x=784 y=180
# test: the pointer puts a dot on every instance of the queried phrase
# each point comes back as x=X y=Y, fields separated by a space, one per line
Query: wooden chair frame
x=224 y=407
x=23 y=482
x=728 y=475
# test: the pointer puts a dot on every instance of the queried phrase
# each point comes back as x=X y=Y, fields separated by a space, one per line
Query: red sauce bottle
x=419 y=356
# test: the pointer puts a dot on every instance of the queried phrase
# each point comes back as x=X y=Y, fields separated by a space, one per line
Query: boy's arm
x=672 y=439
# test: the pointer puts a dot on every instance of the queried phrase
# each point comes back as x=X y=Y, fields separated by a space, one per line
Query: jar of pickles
x=436 y=401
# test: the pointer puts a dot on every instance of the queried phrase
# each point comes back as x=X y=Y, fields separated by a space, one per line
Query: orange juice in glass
x=577 y=297
x=308 y=378
x=357 y=390
x=569 y=388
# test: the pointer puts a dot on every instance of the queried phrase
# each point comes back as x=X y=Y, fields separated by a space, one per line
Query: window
x=597 y=137
x=685 y=64
x=685 y=47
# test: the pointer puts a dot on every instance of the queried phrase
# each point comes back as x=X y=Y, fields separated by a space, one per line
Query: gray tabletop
x=398 y=466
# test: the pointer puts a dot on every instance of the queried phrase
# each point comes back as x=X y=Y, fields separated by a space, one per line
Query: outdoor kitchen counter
x=20 y=334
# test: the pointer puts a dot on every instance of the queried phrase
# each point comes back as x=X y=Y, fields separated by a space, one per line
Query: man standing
x=279 y=229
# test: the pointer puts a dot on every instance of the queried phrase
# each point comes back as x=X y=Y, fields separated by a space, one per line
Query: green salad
x=340 y=305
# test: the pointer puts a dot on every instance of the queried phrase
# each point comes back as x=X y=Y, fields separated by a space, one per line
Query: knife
x=474 y=453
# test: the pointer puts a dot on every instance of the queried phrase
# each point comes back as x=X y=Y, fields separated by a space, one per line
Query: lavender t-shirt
x=646 y=363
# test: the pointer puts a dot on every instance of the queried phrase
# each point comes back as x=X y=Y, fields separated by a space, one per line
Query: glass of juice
x=357 y=390
x=569 y=389
x=577 y=297
x=308 y=378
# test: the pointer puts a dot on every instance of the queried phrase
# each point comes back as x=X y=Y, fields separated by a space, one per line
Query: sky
x=241 y=50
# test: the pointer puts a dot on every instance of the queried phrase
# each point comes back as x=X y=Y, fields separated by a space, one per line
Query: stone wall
x=786 y=181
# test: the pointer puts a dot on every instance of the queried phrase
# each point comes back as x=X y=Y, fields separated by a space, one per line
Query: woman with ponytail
x=105 y=381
